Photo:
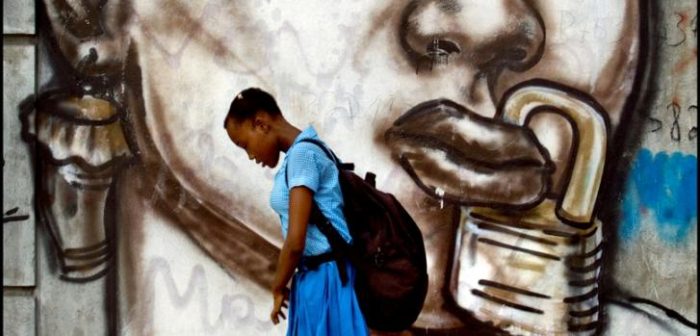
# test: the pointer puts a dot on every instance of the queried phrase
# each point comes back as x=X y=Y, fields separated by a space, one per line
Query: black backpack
x=391 y=280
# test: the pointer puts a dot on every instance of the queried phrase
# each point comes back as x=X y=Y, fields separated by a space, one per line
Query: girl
x=319 y=302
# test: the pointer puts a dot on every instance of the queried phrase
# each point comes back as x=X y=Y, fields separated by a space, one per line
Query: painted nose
x=488 y=35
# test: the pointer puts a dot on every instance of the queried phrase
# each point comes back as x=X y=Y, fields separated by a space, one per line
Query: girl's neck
x=287 y=133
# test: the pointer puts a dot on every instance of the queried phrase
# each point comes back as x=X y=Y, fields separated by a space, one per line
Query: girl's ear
x=262 y=123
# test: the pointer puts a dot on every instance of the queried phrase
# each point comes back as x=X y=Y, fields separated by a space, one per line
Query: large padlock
x=536 y=271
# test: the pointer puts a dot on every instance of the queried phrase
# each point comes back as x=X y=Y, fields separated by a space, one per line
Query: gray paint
x=66 y=308
x=18 y=17
x=18 y=315
x=18 y=236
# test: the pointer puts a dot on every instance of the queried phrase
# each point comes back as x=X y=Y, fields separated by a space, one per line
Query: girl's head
x=251 y=125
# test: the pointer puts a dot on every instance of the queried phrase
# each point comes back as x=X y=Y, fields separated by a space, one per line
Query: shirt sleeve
x=303 y=167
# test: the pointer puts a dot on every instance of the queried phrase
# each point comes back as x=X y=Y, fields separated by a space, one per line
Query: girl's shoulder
x=306 y=150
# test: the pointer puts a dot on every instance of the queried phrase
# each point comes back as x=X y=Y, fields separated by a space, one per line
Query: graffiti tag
x=9 y=216
x=676 y=130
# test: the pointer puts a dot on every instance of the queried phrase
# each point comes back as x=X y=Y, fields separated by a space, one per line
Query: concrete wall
x=656 y=256
x=146 y=220
x=19 y=222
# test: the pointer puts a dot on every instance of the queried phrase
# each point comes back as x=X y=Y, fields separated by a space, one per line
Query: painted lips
x=455 y=155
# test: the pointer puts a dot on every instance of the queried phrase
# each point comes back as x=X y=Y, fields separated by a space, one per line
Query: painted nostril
x=438 y=51
x=516 y=54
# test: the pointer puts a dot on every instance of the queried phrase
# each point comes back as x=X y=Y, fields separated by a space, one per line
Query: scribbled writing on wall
x=678 y=130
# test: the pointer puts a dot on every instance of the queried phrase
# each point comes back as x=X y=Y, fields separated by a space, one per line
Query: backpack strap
x=339 y=247
x=339 y=164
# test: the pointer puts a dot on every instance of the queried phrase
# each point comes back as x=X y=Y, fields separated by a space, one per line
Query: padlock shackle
x=589 y=126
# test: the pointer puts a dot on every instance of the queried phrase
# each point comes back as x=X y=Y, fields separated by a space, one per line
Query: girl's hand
x=280 y=299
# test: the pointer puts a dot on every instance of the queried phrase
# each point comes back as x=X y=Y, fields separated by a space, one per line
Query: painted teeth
x=440 y=193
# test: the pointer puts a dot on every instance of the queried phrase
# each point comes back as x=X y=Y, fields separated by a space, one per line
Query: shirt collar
x=307 y=133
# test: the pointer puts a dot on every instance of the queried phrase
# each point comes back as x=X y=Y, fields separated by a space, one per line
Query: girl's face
x=256 y=138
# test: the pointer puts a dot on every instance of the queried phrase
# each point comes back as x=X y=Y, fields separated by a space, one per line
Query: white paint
x=170 y=257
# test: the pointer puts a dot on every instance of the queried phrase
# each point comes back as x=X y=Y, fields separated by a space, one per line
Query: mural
x=510 y=131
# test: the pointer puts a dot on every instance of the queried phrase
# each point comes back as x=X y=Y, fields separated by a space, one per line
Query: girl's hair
x=248 y=102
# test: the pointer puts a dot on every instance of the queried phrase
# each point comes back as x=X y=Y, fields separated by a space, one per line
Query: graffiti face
x=355 y=86
x=489 y=120
x=436 y=97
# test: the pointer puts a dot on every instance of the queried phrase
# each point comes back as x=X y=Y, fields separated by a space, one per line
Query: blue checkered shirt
x=308 y=165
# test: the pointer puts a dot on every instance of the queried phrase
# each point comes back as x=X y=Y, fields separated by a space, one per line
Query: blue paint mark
x=662 y=189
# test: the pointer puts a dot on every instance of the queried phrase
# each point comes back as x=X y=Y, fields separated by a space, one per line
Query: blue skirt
x=320 y=305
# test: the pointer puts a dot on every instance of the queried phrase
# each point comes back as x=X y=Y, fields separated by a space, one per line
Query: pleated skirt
x=320 y=305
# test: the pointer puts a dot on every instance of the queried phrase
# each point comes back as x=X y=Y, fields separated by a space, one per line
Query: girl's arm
x=300 y=202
